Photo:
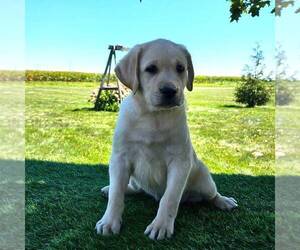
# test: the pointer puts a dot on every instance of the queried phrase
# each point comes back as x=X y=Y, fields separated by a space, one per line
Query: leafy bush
x=108 y=100
x=253 y=89
x=284 y=94
x=284 y=89
x=252 y=92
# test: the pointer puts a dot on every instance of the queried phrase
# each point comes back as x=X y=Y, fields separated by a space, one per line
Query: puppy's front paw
x=108 y=225
x=160 y=228
x=225 y=203
x=104 y=191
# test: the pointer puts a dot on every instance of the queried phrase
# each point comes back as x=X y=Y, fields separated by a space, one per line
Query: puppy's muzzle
x=168 y=90
x=169 y=97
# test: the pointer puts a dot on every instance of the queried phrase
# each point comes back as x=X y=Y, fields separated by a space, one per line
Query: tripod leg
x=118 y=84
x=108 y=64
x=119 y=91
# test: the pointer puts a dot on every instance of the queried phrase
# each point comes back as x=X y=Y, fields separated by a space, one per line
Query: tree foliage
x=284 y=88
x=253 y=7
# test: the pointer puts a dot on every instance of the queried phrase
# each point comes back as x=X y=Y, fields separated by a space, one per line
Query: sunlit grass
x=66 y=142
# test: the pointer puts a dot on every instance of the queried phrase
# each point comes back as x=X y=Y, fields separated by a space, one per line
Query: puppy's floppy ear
x=190 y=68
x=127 y=70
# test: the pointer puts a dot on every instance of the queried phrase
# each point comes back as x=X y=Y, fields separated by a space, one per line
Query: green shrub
x=284 y=94
x=252 y=92
x=253 y=89
x=284 y=82
x=108 y=101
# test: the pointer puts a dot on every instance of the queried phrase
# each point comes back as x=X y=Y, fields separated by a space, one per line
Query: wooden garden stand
x=104 y=82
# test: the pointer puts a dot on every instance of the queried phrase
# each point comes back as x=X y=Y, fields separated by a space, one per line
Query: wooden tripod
x=104 y=82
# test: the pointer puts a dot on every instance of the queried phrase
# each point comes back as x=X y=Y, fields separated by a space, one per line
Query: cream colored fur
x=152 y=150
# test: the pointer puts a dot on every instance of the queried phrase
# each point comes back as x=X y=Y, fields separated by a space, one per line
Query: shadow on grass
x=90 y=109
x=12 y=210
x=63 y=203
x=232 y=106
x=84 y=109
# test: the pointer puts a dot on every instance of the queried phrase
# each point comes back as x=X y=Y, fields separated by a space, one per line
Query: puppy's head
x=159 y=71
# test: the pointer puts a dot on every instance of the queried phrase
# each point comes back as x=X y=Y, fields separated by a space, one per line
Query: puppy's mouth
x=168 y=102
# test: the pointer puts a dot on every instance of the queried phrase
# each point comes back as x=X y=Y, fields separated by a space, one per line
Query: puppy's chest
x=151 y=144
x=149 y=167
x=151 y=132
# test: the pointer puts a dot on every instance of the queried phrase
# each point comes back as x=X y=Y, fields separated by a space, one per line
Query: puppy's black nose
x=168 y=90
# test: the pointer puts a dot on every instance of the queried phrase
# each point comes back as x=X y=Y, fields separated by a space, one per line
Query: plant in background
x=12 y=75
x=284 y=91
x=109 y=100
x=253 y=89
x=216 y=79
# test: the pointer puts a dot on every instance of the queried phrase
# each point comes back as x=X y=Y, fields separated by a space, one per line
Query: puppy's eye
x=180 y=68
x=152 y=69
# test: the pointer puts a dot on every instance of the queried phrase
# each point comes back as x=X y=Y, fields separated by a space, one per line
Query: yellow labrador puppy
x=152 y=150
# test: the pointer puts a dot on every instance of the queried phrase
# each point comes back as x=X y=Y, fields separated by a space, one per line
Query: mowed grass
x=67 y=153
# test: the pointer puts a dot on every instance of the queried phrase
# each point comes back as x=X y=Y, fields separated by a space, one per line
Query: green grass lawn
x=67 y=152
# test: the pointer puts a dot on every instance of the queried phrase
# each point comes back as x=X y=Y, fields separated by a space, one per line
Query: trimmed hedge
x=214 y=79
x=65 y=76
x=12 y=75
x=55 y=76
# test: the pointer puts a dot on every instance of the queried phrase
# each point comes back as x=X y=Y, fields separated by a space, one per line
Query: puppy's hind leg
x=203 y=187
x=132 y=188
